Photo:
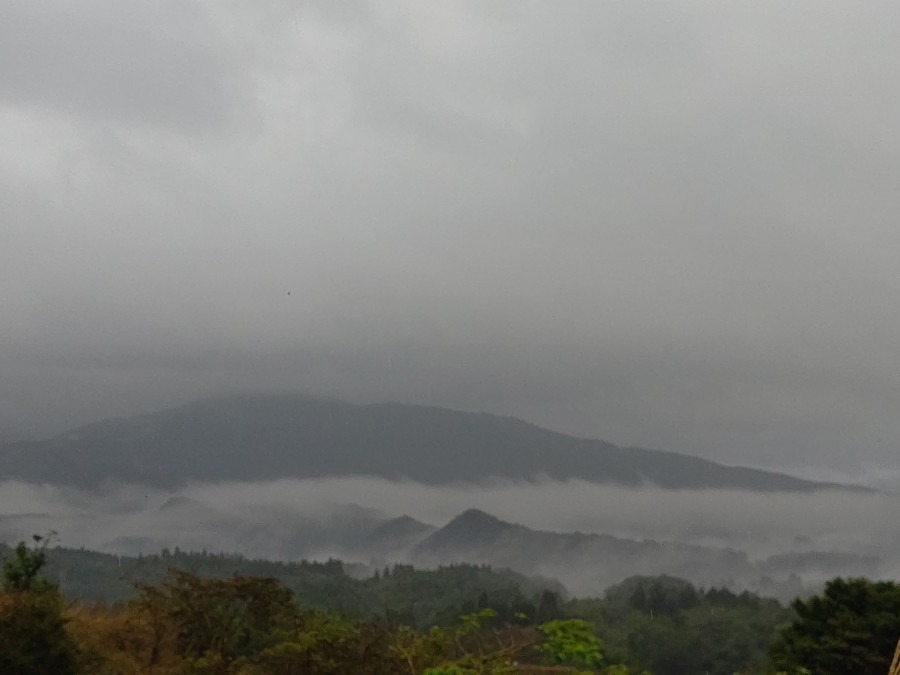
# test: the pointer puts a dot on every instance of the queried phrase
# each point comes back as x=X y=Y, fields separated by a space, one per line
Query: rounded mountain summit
x=263 y=437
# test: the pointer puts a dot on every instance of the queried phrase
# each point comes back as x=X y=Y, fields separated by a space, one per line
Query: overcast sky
x=671 y=225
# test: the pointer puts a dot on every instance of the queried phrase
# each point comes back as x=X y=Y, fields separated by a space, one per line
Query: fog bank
x=289 y=519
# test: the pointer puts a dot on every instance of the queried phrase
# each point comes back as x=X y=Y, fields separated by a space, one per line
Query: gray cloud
x=808 y=533
x=664 y=226
x=107 y=63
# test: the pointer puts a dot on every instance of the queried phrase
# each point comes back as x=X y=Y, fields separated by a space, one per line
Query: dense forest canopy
x=185 y=623
x=201 y=613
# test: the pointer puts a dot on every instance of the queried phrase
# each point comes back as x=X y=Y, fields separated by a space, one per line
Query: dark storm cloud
x=662 y=225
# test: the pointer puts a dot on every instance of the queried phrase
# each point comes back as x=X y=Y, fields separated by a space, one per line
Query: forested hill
x=314 y=617
x=278 y=436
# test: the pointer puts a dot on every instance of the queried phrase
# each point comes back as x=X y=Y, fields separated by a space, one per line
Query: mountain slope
x=584 y=561
x=587 y=563
x=278 y=436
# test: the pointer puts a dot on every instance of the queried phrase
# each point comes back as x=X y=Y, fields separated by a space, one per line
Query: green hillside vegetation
x=852 y=627
x=669 y=627
x=256 y=625
x=419 y=598
x=181 y=613
x=190 y=613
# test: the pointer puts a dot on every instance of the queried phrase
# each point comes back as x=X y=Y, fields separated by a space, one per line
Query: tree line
x=461 y=620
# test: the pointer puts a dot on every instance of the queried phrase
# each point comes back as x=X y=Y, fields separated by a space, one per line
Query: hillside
x=588 y=562
x=585 y=561
x=664 y=623
x=277 y=436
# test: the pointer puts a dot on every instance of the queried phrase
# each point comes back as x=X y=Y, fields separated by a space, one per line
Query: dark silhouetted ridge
x=266 y=437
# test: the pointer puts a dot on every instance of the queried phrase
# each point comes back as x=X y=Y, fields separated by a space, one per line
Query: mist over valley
x=513 y=499
x=382 y=336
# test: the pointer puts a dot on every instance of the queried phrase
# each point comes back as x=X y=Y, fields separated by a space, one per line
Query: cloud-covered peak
x=668 y=227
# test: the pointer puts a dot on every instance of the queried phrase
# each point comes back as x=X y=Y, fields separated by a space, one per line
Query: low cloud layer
x=316 y=518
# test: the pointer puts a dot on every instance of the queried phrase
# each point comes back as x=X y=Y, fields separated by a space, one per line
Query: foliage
x=328 y=644
x=473 y=645
x=33 y=637
x=228 y=618
x=668 y=627
x=571 y=642
x=226 y=615
x=851 y=628
x=420 y=598
x=123 y=640
x=21 y=570
x=447 y=670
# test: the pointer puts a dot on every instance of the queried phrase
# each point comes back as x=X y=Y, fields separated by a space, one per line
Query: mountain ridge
x=265 y=437
x=588 y=561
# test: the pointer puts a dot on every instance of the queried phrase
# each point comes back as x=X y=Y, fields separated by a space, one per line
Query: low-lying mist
x=811 y=534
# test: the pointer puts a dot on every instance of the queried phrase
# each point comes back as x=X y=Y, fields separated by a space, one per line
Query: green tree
x=571 y=642
x=33 y=637
x=471 y=647
x=218 y=622
x=22 y=570
x=850 y=629
x=325 y=643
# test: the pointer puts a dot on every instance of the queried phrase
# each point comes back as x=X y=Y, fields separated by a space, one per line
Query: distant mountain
x=472 y=529
x=586 y=563
x=392 y=540
x=280 y=436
